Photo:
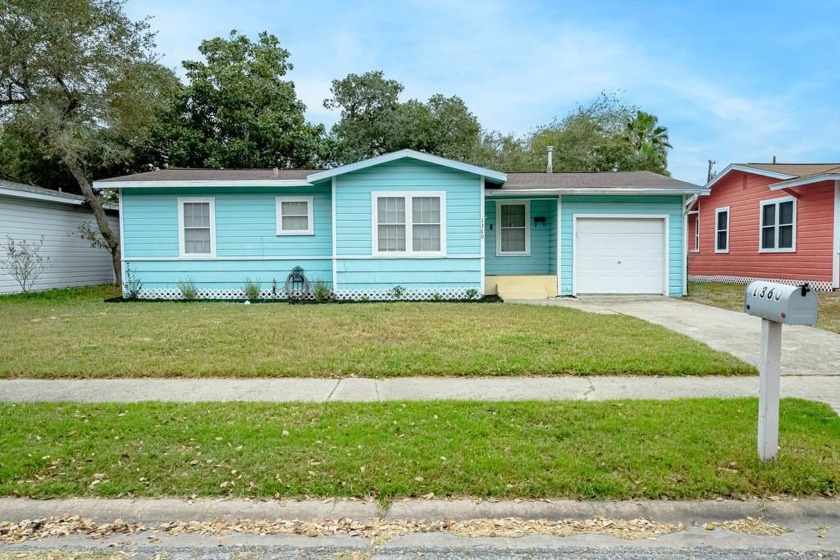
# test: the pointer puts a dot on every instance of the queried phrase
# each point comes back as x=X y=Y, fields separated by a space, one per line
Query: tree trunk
x=111 y=240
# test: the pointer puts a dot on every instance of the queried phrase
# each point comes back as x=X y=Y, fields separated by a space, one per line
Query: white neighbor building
x=27 y=213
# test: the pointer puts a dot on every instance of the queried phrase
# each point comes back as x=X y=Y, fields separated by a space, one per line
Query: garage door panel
x=620 y=255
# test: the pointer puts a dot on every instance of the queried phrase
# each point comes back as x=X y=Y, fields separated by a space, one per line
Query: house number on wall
x=482 y=228
x=764 y=293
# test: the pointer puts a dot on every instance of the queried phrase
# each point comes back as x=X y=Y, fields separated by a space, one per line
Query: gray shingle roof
x=798 y=169
x=607 y=180
x=516 y=181
x=195 y=174
x=41 y=190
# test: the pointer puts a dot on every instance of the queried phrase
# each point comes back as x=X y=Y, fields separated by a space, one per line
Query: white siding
x=73 y=262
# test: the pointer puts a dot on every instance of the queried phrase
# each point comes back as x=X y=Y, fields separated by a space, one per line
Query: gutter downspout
x=685 y=246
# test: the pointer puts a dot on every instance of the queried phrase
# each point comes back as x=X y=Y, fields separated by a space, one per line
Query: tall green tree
x=649 y=141
x=603 y=135
x=237 y=110
x=81 y=78
x=374 y=121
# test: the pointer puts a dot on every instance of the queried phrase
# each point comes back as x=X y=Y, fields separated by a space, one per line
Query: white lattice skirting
x=821 y=285
x=421 y=294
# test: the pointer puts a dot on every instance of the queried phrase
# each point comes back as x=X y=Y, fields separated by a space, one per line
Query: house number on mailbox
x=764 y=293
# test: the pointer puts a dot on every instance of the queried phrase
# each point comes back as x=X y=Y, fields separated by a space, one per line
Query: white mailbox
x=791 y=305
x=775 y=304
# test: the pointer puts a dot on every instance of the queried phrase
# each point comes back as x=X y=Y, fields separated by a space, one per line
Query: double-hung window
x=513 y=236
x=197 y=227
x=294 y=215
x=722 y=230
x=409 y=224
x=778 y=225
x=696 y=233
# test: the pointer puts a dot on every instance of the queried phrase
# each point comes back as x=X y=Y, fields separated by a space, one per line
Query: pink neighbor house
x=773 y=221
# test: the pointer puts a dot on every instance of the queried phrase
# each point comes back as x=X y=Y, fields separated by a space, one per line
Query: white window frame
x=310 y=230
x=409 y=197
x=181 y=241
x=718 y=212
x=527 y=251
x=776 y=202
x=695 y=235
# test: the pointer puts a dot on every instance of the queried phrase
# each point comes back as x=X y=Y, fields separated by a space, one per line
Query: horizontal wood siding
x=246 y=228
x=354 y=228
x=543 y=257
x=384 y=274
x=72 y=261
x=220 y=275
x=743 y=193
x=672 y=206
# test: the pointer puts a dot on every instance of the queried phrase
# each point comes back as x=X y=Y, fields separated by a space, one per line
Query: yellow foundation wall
x=521 y=287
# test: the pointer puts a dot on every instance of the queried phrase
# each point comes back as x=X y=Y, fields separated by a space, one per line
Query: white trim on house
x=525 y=203
x=666 y=273
x=202 y=183
x=728 y=228
x=207 y=258
x=310 y=211
x=836 y=256
x=412 y=154
x=122 y=242
x=482 y=234
x=497 y=193
x=559 y=243
x=746 y=169
x=409 y=197
x=805 y=181
x=776 y=202
x=181 y=243
x=334 y=237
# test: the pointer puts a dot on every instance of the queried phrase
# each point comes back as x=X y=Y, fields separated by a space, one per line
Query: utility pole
x=710 y=175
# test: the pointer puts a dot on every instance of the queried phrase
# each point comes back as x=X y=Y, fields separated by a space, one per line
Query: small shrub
x=437 y=297
x=22 y=261
x=252 y=289
x=188 y=288
x=397 y=292
x=321 y=291
x=472 y=293
x=132 y=285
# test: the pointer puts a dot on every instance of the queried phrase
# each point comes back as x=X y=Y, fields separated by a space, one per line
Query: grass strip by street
x=73 y=333
x=731 y=296
x=687 y=449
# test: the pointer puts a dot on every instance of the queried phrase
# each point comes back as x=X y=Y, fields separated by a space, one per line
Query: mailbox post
x=775 y=304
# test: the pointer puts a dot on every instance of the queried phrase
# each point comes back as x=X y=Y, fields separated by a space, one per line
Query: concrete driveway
x=805 y=350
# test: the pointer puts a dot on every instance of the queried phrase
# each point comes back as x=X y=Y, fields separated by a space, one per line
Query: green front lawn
x=731 y=296
x=73 y=333
x=688 y=449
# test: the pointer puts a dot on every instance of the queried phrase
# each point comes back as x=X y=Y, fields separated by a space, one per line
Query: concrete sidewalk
x=594 y=388
x=805 y=350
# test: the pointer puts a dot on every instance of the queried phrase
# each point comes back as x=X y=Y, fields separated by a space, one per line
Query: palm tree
x=649 y=141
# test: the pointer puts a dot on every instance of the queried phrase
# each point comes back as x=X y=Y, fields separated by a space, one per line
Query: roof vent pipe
x=774 y=159
x=550 y=168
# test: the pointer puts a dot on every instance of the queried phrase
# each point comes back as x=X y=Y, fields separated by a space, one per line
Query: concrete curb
x=151 y=511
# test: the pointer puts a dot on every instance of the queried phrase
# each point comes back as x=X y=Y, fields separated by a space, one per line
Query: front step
x=522 y=287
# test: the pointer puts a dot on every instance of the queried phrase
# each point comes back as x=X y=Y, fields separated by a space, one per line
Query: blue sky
x=734 y=81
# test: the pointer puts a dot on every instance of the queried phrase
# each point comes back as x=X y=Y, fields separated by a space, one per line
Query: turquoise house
x=405 y=225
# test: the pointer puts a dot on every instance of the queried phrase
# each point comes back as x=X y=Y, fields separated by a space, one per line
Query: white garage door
x=620 y=256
